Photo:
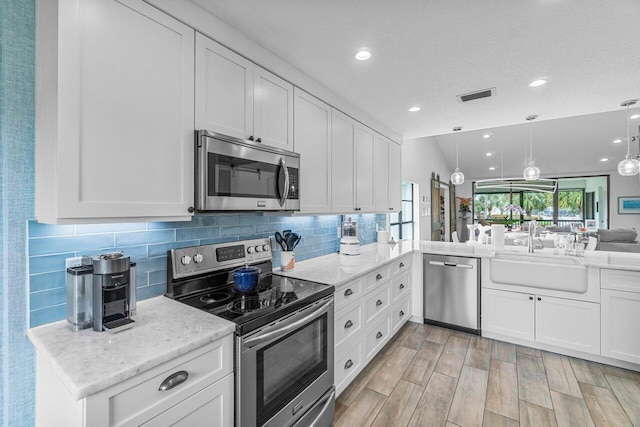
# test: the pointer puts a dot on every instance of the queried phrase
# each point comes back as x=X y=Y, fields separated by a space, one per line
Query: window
x=401 y=223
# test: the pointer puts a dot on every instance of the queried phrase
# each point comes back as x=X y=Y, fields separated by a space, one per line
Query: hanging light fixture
x=531 y=172
x=457 y=177
x=629 y=166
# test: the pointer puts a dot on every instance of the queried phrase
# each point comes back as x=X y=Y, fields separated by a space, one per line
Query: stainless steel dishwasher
x=452 y=292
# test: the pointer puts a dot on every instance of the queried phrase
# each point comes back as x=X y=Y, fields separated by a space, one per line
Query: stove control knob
x=258 y=248
x=197 y=258
x=250 y=250
x=265 y=248
x=185 y=260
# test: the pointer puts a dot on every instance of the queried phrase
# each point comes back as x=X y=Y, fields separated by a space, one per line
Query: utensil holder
x=287 y=260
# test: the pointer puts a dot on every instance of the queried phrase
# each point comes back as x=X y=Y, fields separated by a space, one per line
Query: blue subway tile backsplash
x=147 y=245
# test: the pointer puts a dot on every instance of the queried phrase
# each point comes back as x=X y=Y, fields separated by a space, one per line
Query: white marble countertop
x=336 y=269
x=88 y=361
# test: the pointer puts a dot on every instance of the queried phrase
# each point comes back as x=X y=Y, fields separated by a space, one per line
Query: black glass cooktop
x=274 y=297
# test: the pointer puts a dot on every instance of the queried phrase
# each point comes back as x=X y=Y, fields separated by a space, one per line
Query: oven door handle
x=287 y=327
x=285 y=193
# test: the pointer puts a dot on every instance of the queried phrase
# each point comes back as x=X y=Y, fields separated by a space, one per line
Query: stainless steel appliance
x=101 y=293
x=284 y=331
x=240 y=175
x=452 y=292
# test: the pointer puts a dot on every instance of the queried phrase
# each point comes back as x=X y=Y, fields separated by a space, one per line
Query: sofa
x=618 y=240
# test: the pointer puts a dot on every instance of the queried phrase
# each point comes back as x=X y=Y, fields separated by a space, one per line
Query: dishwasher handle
x=450 y=264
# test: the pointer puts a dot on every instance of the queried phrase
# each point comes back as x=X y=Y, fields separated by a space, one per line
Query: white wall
x=623 y=186
x=420 y=157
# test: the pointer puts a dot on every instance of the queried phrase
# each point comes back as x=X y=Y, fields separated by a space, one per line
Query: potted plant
x=465 y=206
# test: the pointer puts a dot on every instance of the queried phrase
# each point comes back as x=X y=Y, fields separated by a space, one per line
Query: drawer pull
x=348 y=364
x=348 y=324
x=539 y=299
x=401 y=285
x=401 y=264
x=378 y=276
x=379 y=335
x=530 y=298
x=379 y=303
x=174 y=380
x=348 y=292
x=401 y=313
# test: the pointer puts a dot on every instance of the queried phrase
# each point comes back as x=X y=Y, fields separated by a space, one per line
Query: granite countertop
x=88 y=362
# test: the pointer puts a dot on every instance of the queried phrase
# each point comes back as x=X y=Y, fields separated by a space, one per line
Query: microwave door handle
x=284 y=330
x=285 y=193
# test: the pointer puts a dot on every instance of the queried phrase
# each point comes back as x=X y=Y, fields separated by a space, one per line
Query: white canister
x=287 y=260
x=383 y=236
x=497 y=236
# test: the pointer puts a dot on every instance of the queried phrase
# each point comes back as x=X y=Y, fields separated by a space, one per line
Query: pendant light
x=629 y=166
x=531 y=172
x=457 y=177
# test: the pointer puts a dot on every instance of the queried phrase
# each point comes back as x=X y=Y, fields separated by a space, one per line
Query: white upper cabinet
x=381 y=175
x=236 y=97
x=312 y=136
x=342 y=162
x=395 y=177
x=114 y=113
x=364 y=169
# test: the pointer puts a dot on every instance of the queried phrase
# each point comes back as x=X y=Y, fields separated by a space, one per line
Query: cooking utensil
x=296 y=242
x=291 y=240
x=246 y=278
x=281 y=241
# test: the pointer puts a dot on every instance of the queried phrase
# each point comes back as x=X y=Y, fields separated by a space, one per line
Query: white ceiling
x=426 y=52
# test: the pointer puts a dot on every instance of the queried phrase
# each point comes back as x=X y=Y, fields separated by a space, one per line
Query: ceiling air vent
x=484 y=93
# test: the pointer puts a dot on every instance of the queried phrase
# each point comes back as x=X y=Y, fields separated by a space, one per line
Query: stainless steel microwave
x=233 y=174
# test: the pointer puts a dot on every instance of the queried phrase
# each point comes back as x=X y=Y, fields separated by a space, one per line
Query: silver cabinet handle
x=348 y=292
x=174 y=380
x=401 y=285
x=348 y=324
x=401 y=264
x=401 y=313
x=379 y=303
x=379 y=335
x=348 y=364
x=378 y=276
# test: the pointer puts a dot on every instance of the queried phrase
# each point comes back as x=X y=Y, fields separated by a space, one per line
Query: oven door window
x=236 y=177
x=289 y=365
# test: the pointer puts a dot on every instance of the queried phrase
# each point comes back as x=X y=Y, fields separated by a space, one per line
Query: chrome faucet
x=533 y=228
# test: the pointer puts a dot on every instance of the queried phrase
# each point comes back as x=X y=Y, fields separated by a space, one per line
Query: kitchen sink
x=559 y=273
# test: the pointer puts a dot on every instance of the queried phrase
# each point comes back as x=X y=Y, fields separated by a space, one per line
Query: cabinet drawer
x=400 y=313
x=378 y=336
x=621 y=280
x=347 y=366
x=399 y=287
x=203 y=370
x=347 y=293
x=377 y=302
x=374 y=279
x=348 y=322
x=620 y=319
x=401 y=265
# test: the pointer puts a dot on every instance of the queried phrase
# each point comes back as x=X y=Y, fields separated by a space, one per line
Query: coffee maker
x=349 y=243
x=101 y=292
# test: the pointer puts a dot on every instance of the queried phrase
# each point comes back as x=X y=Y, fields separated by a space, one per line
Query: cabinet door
x=312 y=136
x=272 y=110
x=508 y=313
x=395 y=177
x=364 y=169
x=620 y=320
x=210 y=406
x=342 y=162
x=568 y=323
x=381 y=173
x=115 y=112
x=224 y=90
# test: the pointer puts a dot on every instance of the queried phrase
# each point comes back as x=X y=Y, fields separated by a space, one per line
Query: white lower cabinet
x=620 y=320
x=560 y=322
x=369 y=310
x=202 y=395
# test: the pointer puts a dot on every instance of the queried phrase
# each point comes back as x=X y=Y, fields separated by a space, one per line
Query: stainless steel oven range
x=284 y=332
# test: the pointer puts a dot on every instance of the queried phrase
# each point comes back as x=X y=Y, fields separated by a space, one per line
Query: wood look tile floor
x=431 y=376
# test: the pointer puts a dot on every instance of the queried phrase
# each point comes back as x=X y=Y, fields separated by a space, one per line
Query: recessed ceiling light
x=538 y=82
x=617 y=141
x=362 y=54
x=489 y=154
x=635 y=116
x=604 y=159
x=414 y=109
x=486 y=135
x=492 y=168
